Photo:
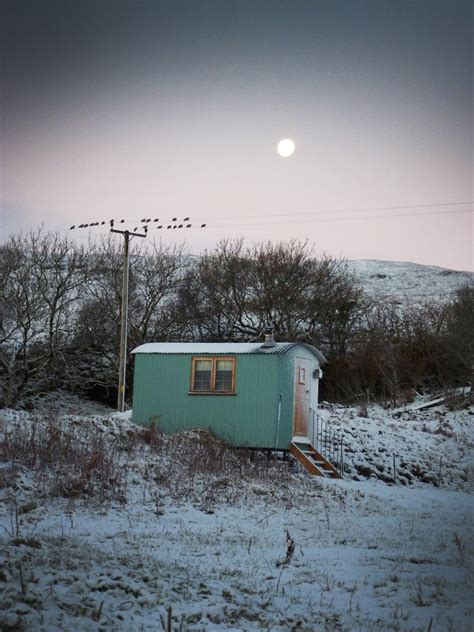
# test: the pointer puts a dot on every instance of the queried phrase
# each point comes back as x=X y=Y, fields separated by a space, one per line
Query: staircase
x=313 y=460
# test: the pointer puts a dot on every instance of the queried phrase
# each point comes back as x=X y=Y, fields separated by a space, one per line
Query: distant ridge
x=403 y=281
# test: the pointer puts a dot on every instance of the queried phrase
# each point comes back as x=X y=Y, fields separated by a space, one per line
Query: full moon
x=286 y=147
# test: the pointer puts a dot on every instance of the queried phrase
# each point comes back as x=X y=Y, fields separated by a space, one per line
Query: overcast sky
x=133 y=109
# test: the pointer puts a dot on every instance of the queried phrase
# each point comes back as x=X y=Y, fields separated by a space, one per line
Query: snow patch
x=366 y=555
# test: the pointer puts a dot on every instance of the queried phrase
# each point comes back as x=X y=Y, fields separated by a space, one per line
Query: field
x=110 y=527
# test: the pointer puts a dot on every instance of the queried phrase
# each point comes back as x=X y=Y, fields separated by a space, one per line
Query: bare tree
x=155 y=273
x=460 y=329
x=281 y=284
x=42 y=276
x=234 y=293
x=60 y=315
x=212 y=300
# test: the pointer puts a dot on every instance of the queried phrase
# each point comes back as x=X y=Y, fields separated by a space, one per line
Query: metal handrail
x=327 y=441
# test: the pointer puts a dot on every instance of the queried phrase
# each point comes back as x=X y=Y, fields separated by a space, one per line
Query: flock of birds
x=175 y=223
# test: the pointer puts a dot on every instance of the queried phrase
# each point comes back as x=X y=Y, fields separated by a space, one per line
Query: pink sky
x=383 y=124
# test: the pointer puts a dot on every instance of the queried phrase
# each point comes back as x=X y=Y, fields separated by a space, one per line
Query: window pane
x=224 y=370
x=224 y=365
x=203 y=365
x=202 y=375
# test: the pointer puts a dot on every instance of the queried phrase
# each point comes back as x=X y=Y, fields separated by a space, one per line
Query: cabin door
x=301 y=410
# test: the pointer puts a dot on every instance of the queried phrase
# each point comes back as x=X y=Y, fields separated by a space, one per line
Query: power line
x=349 y=210
x=342 y=219
x=168 y=224
x=334 y=219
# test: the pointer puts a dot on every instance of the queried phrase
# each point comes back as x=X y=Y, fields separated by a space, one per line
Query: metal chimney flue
x=269 y=338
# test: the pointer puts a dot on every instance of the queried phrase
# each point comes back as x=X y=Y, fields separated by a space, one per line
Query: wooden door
x=302 y=397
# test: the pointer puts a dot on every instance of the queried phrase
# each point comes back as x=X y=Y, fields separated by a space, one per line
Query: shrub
x=67 y=461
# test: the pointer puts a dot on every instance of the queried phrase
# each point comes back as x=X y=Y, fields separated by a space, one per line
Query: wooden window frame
x=214 y=360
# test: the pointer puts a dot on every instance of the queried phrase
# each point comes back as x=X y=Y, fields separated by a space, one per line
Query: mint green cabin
x=248 y=394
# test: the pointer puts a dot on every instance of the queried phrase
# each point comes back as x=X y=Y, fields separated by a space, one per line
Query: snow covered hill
x=107 y=526
x=404 y=281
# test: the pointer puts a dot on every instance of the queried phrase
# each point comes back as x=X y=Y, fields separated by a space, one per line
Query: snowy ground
x=120 y=535
x=431 y=446
x=406 y=282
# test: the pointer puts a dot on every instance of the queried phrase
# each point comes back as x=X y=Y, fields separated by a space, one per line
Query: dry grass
x=78 y=458
x=64 y=460
x=455 y=400
x=195 y=465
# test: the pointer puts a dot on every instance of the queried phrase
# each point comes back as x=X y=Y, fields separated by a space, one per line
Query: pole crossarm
x=127 y=232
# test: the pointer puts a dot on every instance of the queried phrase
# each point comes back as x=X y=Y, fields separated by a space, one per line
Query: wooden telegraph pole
x=124 y=317
x=127 y=234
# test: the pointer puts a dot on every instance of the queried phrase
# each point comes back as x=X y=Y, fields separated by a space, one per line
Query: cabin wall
x=248 y=418
x=286 y=393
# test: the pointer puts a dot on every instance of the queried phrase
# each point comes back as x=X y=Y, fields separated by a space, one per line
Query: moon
x=286 y=147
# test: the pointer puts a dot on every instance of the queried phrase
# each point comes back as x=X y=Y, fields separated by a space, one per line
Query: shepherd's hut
x=254 y=395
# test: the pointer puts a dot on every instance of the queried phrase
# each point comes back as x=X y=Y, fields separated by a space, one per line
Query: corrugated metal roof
x=198 y=347
x=213 y=348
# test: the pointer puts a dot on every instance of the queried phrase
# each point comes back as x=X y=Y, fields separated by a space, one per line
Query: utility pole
x=124 y=317
x=174 y=223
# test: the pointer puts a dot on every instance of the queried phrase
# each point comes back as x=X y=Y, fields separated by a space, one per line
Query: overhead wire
x=348 y=210
x=342 y=219
x=292 y=215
